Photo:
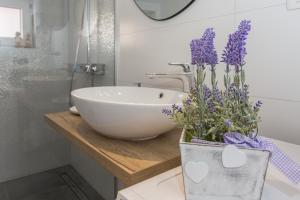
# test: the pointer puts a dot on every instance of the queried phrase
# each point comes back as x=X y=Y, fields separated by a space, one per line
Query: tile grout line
x=261 y=8
x=175 y=24
x=277 y=99
x=199 y=20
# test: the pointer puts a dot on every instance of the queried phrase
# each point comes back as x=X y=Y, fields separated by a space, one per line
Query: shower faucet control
x=89 y=68
x=93 y=68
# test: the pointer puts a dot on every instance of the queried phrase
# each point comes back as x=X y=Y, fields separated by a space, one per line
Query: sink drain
x=161 y=95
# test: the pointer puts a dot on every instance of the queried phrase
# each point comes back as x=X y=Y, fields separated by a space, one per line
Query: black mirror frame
x=164 y=19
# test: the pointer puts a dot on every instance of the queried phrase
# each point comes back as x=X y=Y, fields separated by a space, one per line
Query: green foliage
x=207 y=113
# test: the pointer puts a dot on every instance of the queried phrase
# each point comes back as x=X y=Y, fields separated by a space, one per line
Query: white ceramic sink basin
x=132 y=113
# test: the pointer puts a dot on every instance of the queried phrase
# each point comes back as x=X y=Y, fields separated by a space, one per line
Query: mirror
x=162 y=9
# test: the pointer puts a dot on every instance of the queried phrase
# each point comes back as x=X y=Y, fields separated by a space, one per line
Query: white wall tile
x=244 y=5
x=131 y=19
x=273 y=52
x=151 y=51
x=272 y=62
x=280 y=120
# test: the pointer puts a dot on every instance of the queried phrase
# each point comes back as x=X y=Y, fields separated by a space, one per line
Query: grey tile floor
x=58 y=184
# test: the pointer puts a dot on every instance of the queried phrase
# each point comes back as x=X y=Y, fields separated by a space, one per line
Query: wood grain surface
x=129 y=161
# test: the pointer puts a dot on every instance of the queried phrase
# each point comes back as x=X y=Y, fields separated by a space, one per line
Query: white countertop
x=169 y=185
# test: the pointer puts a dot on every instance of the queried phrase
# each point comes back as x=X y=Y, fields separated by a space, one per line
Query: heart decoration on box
x=196 y=171
x=232 y=157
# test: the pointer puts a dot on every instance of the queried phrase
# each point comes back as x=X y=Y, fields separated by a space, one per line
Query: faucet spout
x=185 y=78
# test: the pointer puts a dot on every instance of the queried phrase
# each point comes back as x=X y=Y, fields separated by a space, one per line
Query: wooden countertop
x=131 y=162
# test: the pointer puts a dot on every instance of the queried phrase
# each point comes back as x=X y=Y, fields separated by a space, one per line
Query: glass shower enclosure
x=39 y=52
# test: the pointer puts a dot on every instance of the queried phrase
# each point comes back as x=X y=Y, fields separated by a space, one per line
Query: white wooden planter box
x=206 y=178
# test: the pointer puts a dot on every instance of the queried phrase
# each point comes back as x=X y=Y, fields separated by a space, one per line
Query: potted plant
x=219 y=124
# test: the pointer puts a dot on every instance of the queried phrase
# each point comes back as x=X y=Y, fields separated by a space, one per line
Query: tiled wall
x=273 y=61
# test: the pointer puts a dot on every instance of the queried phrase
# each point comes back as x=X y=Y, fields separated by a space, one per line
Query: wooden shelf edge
x=63 y=124
x=108 y=164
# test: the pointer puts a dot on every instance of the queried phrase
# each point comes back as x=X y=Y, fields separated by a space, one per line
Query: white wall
x=273 y=61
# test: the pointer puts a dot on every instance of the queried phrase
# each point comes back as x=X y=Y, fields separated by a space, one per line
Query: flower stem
x=213 y=78
x=200 y=99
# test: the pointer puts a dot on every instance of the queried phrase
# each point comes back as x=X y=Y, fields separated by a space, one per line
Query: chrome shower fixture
x=98 y=69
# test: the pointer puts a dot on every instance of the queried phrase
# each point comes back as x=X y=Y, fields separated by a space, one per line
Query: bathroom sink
x=132 y=113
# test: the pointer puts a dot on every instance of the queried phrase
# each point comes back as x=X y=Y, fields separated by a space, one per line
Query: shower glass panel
x=96 y=32
x=35 y=79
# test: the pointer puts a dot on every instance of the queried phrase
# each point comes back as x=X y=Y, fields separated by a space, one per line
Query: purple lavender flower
x=235 y=51
x=218 y=96
x=196 y=50
x=239 y=94
x=188 y=101
x=257 y=106
x=246 y=91
x=211 y=106
x=232 y=91
x=177 y=108
x=203 y=49
x=211 y=53
x=207 y=92
x=228 y=123
x=167 y=111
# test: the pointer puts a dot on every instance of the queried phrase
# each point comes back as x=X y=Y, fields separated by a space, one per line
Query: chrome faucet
x=186 y=77
x=185 y=66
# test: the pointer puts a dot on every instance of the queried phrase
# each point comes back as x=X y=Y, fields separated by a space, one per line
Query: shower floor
x=63 y=183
